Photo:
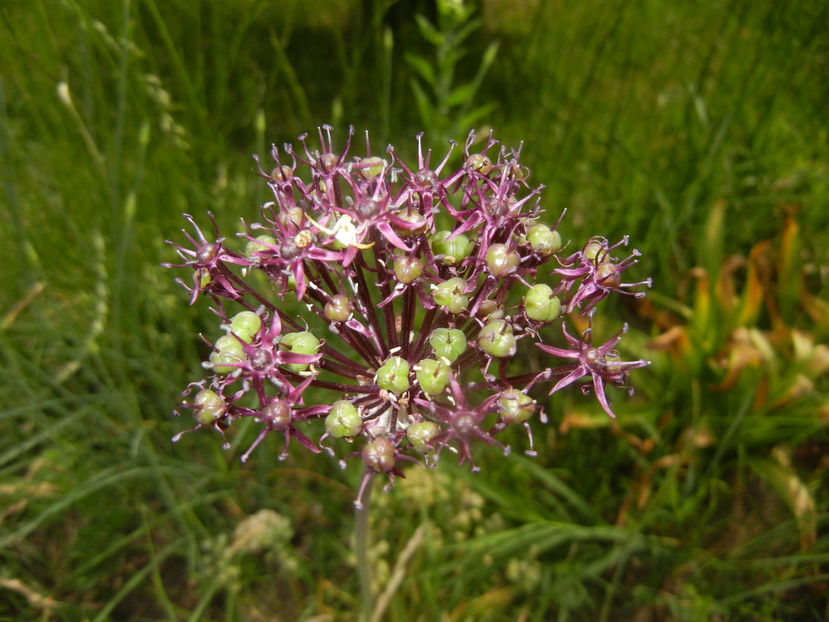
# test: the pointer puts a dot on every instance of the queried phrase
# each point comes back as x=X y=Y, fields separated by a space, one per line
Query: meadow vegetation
x=697 y=129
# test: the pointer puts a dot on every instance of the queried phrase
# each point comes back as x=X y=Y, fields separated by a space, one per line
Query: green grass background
x=699 y=129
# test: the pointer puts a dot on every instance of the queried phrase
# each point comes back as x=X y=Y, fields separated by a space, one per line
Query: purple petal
x=598 y=388
x=569 y=379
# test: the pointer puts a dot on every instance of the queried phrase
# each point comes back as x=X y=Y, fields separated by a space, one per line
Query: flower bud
x=419 y=434
x=432 y=375
x=450 y=294
x=343 y=420
x=515 y=407
x=393 y=375
x=209 y=406
x=496 y=339
x=448 y=343
x=379 y=455
x=245 y=325
x=540 y=304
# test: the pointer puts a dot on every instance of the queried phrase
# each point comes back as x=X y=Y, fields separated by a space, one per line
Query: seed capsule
x=343 y=420
x=371 y=167
x=300 y=343
x=261 y=245
x=448 y=343
x=393 y=375
x=453 y=250
x=544 y=240
x=277 y=415
x=209 y=406
x=379 y=455
x=496 y=339
x=432 y=375
x=407 y=269
x=515 y=407
x=245 y=325
x=479 y=162
x=501 y=260
x=228 y=353
x=419 y=434
x=338 y=309
x=540 y=304
x=450 y=294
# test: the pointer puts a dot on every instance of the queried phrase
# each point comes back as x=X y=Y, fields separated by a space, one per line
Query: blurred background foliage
x=699 y=129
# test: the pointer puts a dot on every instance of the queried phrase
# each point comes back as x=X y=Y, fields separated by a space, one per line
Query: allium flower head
x=421 y=287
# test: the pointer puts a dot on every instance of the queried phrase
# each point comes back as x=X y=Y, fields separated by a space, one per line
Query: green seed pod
x=393 y=375
x=501 y=260
x=450 y=294
x=371 y=167
x=432 y=375
x=544 y=240
x=419 y=434
x=338 y=309
x=378 y=455
x=540 y=304
x=209 y=406
x=245 y=325
x=228 y=351
x=260 y=244
x=448 y=343
x=496 y=339
x=453 y=250
x=515 y=407
x=407 y=269
x=343 y=420
x=300 y=343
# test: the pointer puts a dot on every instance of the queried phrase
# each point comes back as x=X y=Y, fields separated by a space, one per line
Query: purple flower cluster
x=420 y=284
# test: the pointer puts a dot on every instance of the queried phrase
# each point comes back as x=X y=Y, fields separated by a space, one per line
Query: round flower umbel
x=422 y=288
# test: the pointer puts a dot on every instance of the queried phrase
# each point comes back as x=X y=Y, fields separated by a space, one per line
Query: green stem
x=361 y=526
